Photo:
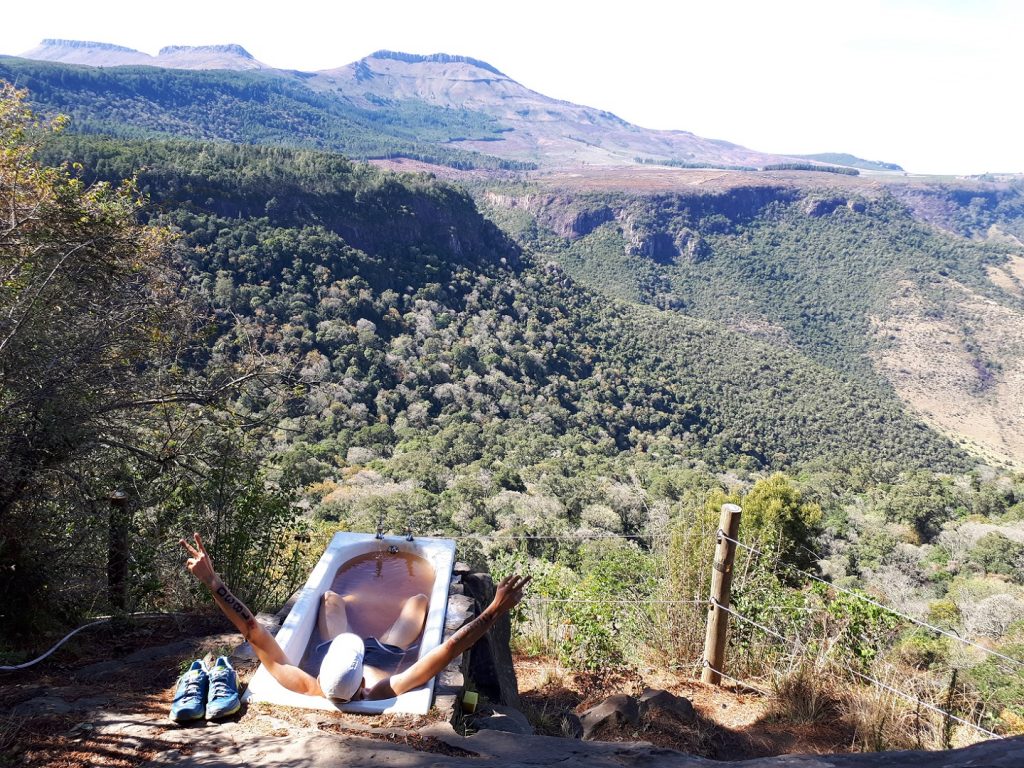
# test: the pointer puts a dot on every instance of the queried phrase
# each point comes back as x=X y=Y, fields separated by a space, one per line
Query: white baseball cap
x=341 y=672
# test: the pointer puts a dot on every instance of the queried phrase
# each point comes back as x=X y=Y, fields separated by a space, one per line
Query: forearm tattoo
x=234 y=603
x=474 y=630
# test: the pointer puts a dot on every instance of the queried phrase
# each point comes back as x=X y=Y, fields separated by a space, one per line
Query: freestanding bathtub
x=301 y=621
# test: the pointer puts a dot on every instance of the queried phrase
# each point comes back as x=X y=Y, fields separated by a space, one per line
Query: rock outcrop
x=229 y=56
x=654 y=701
x=815 y=207
x=490 y=660
x=613 y=712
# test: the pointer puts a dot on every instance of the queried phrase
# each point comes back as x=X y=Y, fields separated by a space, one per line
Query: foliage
x=994 y=553
x=812 y=167
x=778 y=520
x=921 y=501
x=923 y=650
x=475 y=334
x=84 y=299
x=591 y=615
x=768 y=260
x=999 y=687
x=86 y=308
x=251 y=528
x=105 y=384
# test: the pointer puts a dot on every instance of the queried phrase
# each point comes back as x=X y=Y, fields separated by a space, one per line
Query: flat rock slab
x=326 y=750
x=55 y=704
x=105 y=670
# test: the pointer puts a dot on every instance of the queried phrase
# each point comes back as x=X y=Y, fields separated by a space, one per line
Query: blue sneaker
x=222 y=700
x=190 y=697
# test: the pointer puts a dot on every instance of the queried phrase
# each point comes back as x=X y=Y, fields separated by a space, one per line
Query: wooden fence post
x=117 y=550
x=721 y=582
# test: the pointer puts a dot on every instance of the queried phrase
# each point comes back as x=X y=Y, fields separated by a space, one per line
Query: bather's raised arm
x=266 y=646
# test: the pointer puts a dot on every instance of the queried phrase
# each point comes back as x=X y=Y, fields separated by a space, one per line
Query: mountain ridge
x=537 y=129
x=98 y=54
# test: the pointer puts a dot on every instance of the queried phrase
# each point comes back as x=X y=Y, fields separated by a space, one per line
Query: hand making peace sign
x=199 y=565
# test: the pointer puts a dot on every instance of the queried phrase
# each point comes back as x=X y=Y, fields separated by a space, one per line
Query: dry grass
x=881 y=720
x=806 y=694
x=10 y=726
x=975 y=396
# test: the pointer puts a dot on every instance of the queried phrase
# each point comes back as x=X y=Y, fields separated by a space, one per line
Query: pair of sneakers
x=210 y=692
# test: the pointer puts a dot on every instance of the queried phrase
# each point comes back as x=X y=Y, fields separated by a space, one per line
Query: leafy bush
x=996 y=554
x=777 y=519
x=252 y=530
x=997 y=685
x=923 y=650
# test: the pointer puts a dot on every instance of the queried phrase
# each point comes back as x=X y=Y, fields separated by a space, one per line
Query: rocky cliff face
x=663 y=228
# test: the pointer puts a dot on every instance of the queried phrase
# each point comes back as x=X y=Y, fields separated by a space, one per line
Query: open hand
x=199 y=564
x=508 y=593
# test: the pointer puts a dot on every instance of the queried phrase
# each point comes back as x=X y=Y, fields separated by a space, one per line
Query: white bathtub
x=300 y=622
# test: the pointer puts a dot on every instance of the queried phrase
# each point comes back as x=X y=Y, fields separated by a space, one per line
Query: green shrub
x=923 y=650
x=944 y=613
x=994 y=553
x=999 y=685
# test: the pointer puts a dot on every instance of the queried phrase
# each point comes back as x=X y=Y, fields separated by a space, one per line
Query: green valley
x=212 y=304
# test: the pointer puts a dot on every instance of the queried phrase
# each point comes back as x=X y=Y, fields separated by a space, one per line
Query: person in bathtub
x=352 y=667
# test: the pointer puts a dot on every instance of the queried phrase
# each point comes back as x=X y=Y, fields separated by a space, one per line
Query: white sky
x=934 y=85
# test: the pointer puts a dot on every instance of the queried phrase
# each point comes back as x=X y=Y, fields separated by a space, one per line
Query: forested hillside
x=853 y=280
x=400 y=288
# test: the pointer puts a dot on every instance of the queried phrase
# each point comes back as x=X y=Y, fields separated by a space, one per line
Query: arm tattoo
x=236 y=605
x=474 y=630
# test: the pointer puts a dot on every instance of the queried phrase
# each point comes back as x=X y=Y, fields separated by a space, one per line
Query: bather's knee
x=331 y=597
x=420 y=600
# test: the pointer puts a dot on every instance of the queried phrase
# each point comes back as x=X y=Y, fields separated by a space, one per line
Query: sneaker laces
x=219 y=685
x=192 y=685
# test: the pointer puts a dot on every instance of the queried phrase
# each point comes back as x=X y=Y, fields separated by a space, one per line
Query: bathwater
x=376 y=584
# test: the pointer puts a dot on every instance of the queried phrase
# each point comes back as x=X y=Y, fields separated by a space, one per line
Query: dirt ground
x=733 y=723
x=103 y=700
x=78 y=709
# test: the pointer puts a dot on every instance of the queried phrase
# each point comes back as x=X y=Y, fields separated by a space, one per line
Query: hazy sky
x=934 y=86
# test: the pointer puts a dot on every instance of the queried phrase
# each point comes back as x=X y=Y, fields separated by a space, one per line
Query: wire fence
x=861 y=675
x=792 y=643
x=865 y=598
x=577 y=537
x=915 y=700
x=609 y=601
